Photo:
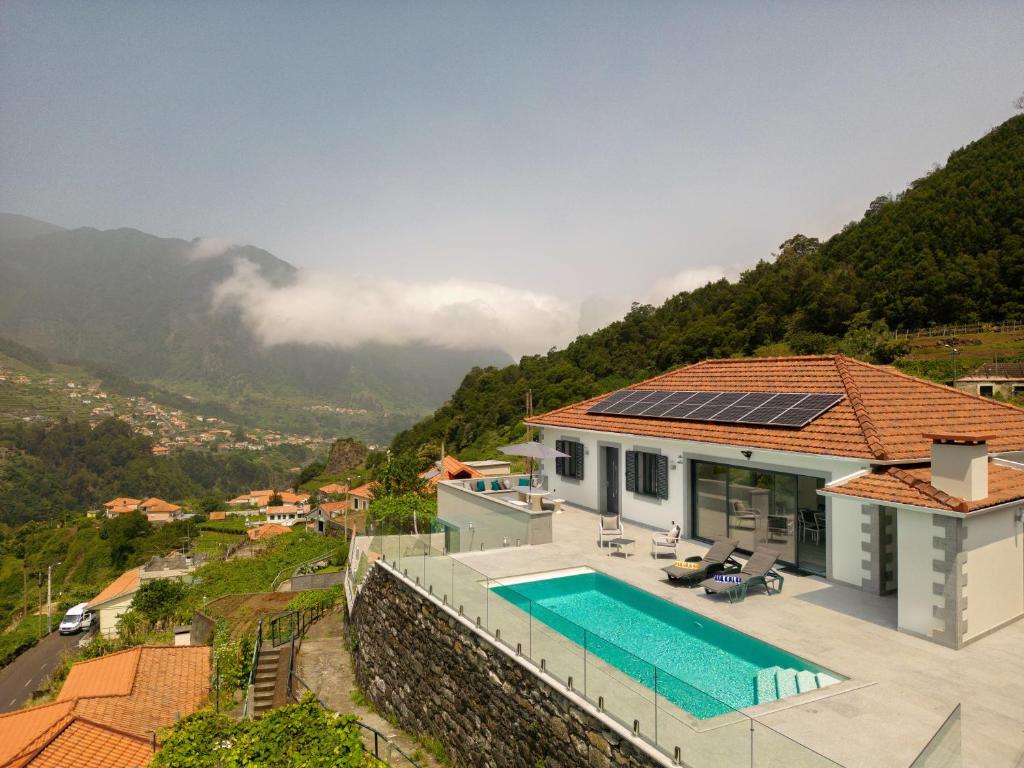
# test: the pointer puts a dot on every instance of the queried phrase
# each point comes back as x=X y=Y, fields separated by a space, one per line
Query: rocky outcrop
x=346 y=454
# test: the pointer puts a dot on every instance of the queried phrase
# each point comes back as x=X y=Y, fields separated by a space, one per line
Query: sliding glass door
x=760 y=508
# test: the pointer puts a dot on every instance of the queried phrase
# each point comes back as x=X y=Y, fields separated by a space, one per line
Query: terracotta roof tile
x=26 y=730
x=912 y=486
x=882 y=417
x=363 y=491
x=333 y=488
x=154 y=504
x=267 y=531
x=83 y=744
x=124 y=584
x=110 y=675
x=451 y=469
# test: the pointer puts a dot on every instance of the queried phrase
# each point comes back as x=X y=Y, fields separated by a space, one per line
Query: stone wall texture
x=426 y=669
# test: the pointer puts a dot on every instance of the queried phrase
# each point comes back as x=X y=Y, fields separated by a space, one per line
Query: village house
x=991 y=379
x=159 y=511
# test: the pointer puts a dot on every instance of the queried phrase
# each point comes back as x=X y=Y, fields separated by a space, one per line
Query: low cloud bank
x=349 y=310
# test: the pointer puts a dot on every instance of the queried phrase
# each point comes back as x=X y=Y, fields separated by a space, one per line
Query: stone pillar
x=949 y=579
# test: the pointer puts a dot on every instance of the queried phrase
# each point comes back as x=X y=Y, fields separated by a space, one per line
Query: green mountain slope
x=139 y=306
x=948 y=249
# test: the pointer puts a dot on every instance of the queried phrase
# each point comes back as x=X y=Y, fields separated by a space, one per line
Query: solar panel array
x=776 y=409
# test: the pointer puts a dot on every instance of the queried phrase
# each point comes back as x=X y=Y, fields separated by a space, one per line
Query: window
x=985 y=390
x=647 y=474
x=1018 y=389
x=571 y=465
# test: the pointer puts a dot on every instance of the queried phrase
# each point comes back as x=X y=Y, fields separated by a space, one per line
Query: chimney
x=960 y=464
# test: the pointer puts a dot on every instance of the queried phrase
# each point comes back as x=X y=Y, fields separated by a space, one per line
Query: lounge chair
x=610 y=526
x=665 y=543
x=718 y=558
x=759 y=569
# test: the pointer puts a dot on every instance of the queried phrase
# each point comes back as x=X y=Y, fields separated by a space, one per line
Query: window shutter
x=578 y=460
x=663 y=477
x=559 y=461
x=631 y=471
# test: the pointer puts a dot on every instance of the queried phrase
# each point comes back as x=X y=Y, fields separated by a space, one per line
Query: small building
x=109 y=710
x=285 y=514
x=333 y=489
x=172 y=566
x=121 y=505
x=361 y=497
x=990 y=379
x=115 y=599
x=448 y=468
x=159 y=450
x=491 y=467
x=159 y=511
x=267 y=531
x=217 y=516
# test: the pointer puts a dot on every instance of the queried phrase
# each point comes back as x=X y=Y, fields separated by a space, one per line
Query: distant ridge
x=14 y=226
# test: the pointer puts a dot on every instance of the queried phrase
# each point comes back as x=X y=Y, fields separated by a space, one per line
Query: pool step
x=776 y=683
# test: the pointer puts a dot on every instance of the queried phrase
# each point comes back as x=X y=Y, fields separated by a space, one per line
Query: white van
x=77 y=618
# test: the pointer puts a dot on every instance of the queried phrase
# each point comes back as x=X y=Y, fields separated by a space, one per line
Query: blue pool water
x=702 y=666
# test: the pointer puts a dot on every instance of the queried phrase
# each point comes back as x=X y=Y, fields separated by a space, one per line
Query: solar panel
x=775 y=409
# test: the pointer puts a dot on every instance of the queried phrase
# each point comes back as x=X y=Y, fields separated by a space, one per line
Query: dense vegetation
x=68 y=466
x=950 y=248
x=303 y=734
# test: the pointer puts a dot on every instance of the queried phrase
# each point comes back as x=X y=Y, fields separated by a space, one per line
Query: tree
x=158 y=600
x=131 y=627
x=402 y=513
x=308 y=472
x=275 y=500
x=398 y=477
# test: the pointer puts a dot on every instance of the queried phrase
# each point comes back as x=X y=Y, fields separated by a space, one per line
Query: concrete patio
x=901 y=687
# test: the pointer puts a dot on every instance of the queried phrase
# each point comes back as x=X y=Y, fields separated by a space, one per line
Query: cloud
x=685 y=280
x=209 y=248
x=349 y=310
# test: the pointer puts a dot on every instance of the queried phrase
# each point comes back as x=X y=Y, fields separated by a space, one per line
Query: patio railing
x=647 y=701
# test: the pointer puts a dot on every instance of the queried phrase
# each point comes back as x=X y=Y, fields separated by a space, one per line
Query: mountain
x=139 y=306
x=949 y=249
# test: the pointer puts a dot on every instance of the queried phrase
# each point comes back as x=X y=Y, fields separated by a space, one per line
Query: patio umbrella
x=532 y=450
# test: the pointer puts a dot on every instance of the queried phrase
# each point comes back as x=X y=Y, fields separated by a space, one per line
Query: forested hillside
x=950 y=248
x=49 y=470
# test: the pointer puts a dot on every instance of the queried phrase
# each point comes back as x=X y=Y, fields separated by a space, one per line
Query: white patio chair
x=609 y=526
x=665 y=543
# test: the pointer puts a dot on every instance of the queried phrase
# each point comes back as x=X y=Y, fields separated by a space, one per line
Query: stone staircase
x=776 y=683
x=270 y=680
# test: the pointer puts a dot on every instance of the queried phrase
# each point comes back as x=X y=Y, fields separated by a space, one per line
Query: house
x=330 y=518
x=361 y=497
x=217 y=516
x=109 y=710
x=448 y=468
x=333 y=489
x=854 y=472
x=285 y=514
x=267 y=531
x=121 y=505
x=300 y=500
x=160 y=450
x=1003 y=379
x=159 y=511
x=115 y=599
x=491 y=467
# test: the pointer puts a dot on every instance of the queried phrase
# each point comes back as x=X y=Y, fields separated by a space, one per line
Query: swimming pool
x=702 y=666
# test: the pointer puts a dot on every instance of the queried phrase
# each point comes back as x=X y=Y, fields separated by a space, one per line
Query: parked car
x=77 y=619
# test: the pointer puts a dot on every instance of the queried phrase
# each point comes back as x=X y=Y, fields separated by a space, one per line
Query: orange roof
x=239 y=500
x=912 y=485
x=83 y=744
x=293 y=498
x=124 y=584
x=334 y=506
x=363 y=491
x=122 y=501
x=122 y=510
x=883 y=415
x=153 y=504
x=217 y=516
x=108 y=710
x=267 y=531
x=451 y=469
x=333 y=488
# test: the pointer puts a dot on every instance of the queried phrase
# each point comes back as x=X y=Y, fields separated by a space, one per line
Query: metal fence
x=1007 y=326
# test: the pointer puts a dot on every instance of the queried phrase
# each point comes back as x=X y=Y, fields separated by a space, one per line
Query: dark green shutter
x=559 y=461
x=631 y=470
x=577 y=450
x=663 y=477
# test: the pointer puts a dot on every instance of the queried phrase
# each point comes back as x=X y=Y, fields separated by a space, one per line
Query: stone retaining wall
x=434 y=674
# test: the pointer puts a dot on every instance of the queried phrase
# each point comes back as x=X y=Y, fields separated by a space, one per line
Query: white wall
x=658 y=513
x=915 y=550
x=995 y=571
x=111 y=612
x=845 y=537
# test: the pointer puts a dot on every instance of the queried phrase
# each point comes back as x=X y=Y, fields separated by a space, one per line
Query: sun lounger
x=717 y=559
x=758 y=570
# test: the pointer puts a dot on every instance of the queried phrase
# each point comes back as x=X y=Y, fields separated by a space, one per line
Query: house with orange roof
x=333 y=489
x=856 y=473
x=114 y=599
x=159 y=511
x=286 y=514
x=361 y=496
x=109 y=710
x=122 y=504
x=448 y=468
x=267 y=531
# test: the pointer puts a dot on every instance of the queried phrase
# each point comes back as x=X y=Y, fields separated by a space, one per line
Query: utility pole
x=49 y=607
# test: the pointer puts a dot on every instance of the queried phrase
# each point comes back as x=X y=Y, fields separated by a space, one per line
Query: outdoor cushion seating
x=759 y=569
x=480 y=486
x=524 y=482
x=610 y=526
x=495 y=485
x=662 y=543
x=717 y=559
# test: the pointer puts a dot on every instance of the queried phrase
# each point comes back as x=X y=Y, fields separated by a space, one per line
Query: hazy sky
x=557 y=148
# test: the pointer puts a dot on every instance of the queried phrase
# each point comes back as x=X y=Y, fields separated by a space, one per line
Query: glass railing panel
x=508 y=617
x=945 y=748
x=773 y=750
x=469 y=592
x=562 y=658
x=719 y=736
x=619 y=696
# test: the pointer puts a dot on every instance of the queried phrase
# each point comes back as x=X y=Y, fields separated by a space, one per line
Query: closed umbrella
x=532 y=450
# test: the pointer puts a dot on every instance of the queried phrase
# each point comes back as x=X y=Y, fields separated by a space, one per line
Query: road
x=23 y=675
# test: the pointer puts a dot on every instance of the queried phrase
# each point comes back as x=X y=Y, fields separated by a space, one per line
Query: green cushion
x=495 y=485
x=524 y=481
x=480 y=485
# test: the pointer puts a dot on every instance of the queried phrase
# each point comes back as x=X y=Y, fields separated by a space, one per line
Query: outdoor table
x=619 y=543
x=534 y=496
